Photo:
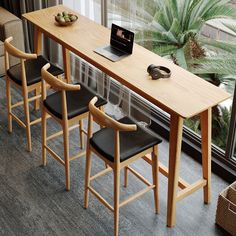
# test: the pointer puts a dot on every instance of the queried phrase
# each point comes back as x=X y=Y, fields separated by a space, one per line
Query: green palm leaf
x=174 y=9
x=175 y=28
x=219 y=12
x=164 y=50
x=183 y=11
x=180 y=58
x=190 y=11
x=229 y=47
x=224 y=65
x=230 y=26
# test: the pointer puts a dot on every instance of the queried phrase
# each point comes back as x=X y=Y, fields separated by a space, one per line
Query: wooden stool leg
x=155 y=177
x=44 y=137
x=116 y=200
x=126 y=172
x=37 y=101
x=87 y=177
x=205 y=118
x=66 y=154
x=27 y=118
x=8 y=95
x=81 y=134
x=102 y=109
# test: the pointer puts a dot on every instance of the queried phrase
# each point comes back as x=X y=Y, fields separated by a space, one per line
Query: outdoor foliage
x=175 y=31
x=172 y=28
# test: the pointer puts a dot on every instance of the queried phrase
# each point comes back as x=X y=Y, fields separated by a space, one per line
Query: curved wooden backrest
x=9 y=48
x=101 y=118
x=55 y=82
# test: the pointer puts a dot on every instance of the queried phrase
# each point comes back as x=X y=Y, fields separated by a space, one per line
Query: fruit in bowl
x=65 y=18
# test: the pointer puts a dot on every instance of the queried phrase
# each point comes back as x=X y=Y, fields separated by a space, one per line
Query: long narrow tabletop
x=183 y=94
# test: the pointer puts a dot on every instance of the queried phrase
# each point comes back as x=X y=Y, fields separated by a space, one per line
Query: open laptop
x=121 y=44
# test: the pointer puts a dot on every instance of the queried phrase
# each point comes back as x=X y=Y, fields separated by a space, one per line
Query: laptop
x=121 y=44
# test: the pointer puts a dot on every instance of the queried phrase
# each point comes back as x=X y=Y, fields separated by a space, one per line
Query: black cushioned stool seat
x=33 y=71
x=131 y=143
x=77 y=102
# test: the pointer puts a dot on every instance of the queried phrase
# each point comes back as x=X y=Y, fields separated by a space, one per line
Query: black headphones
x=157 y=72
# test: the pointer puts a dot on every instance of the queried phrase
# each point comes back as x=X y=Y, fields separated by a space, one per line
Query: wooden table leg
x=38 y=50
x=66 y=63
x=205 y=118
x=37 y=40
x=176 y=130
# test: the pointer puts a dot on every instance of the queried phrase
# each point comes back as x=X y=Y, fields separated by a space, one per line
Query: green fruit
x=57 y=18
x=65 y=13
x=73 y=18
x=62 y=20
x=67 y=19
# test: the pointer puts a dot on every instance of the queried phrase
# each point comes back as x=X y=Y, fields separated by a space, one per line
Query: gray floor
x=33 y=200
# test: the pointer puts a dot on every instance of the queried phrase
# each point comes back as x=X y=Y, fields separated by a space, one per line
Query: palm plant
x=221 y=63
x=173 y=29
x=176 y=26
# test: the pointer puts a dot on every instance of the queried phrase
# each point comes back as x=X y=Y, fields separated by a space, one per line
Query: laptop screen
x=122 y=39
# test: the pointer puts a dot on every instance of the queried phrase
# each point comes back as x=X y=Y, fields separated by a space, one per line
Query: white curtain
x=134 y=15
x=88 y=8
x=82 y=71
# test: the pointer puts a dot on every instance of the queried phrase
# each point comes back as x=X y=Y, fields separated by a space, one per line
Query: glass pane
x=162 y=35
x=234 y=154
x=221 y=115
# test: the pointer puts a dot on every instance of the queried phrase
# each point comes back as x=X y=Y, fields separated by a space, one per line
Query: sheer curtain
x=134 y=15
x=88 y=8
x=106 y=12
x=81 y=70
x=86 y=73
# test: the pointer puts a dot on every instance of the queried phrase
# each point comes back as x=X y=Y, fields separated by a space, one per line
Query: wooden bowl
x=67 y=22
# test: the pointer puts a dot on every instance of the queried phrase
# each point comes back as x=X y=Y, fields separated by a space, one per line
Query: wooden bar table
x=184 y=95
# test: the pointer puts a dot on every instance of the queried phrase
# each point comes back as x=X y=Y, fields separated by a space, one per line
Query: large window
x=204 y=47
x=160 y=32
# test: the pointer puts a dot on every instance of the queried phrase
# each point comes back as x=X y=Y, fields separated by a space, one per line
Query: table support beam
x=191 y=189
x=164 y=171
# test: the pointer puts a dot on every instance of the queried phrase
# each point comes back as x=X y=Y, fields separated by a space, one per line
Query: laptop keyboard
x=114 y=51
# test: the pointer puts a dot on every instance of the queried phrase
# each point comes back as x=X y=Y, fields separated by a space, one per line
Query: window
x=141 y=16
x=154 y=33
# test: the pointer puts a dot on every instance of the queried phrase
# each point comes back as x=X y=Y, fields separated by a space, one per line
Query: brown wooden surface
x=184 y=93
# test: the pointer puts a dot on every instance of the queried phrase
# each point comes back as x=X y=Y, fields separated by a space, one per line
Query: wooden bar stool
x=119 y=144
x=68 y=106
x=25 y=76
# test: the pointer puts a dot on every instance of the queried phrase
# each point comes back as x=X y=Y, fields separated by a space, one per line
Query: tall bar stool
x=25 y=76
x=119 y=144
x=68 y=106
